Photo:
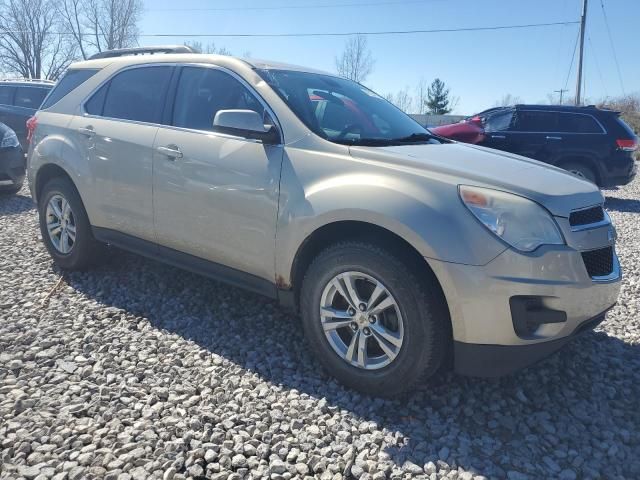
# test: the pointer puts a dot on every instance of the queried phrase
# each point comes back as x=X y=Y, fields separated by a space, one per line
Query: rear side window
x=536 y=121
x=95 y=105
x=30 y=97
x=137 y=94
x=575 y=123
x=71 y=80
x=6 y=95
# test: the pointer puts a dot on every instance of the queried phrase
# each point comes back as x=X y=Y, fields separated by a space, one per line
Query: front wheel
x=372 y=322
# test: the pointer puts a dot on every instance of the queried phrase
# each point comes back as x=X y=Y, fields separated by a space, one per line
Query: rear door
x=581 y=136
x=116 y=134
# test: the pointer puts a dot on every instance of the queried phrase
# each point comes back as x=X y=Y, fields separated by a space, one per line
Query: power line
x=287 y=7
x=346 y=34
x=595 y=60
x=573 y=57
x=613 y=49
x=336 y=34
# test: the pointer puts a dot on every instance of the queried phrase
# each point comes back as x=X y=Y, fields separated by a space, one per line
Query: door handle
x=87 y=131
x=553 y=138
x=170 y=151
x=500 y=137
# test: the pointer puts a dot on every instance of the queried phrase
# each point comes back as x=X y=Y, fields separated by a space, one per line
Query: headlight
x=10 y=140
x=520 y=222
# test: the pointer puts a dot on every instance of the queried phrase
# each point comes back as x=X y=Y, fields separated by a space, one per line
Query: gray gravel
x=139 y=370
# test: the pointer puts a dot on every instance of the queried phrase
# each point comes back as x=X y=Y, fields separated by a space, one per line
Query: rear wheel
x=581 y=170
x=65 y=227
x=371 y=321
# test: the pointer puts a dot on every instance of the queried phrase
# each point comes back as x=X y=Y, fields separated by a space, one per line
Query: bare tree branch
x=30 y=45
x=356 y=62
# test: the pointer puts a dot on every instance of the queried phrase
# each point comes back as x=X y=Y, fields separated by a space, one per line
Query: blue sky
x=479 y=67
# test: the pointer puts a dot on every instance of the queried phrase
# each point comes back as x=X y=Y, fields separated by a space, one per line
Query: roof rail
x=22 y=79
x=121 y=52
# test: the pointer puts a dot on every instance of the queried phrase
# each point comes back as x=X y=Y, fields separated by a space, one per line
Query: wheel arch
x=345 y=230
x=582 y=159
x=47 y=172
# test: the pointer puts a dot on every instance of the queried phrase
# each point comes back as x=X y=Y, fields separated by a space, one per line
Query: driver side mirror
x=245 y=123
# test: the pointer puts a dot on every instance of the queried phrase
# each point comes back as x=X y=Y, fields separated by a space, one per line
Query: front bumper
x=497 y=360
x=12 y=167
x=483 y=302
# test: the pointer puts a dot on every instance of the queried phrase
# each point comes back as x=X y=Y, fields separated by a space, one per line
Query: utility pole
x=561 y=91
x=583 y=25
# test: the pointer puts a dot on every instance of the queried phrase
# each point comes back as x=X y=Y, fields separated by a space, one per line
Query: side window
x=202 y=92
x=6 y=95
x=30 y=97
x=138 y=94
x=536 y=121
x=95 y=105
x=499 y=122
x=575 y=123
x=71 y=80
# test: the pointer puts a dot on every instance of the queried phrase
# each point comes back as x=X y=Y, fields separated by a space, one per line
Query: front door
x=216 y=195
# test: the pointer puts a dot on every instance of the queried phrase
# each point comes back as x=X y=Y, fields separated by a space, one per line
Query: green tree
x=438 y=100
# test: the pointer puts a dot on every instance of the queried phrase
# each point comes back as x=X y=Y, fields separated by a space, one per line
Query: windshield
x=344 y=111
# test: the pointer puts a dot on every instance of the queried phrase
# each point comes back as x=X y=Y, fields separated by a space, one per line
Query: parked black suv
x=19 y=101
x=591 y=142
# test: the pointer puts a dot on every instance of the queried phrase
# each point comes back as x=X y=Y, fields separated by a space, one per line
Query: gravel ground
x=139 y=370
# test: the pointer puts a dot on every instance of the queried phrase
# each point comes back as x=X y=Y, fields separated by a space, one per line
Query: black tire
x=422 y=307
x=11 y=190
x=581 y=170
x=85 y=250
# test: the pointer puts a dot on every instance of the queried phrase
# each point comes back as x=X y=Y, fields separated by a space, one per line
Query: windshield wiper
x=368 y=142
x=416 y=137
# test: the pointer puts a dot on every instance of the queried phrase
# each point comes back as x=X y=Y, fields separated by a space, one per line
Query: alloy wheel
x=61 y=224
x=361 y=320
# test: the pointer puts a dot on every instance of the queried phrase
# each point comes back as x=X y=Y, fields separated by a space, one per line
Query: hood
x=554 y=188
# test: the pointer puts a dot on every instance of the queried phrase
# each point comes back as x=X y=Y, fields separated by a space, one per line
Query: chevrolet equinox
x=402 y=251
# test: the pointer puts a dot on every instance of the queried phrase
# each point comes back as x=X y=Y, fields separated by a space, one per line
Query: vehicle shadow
x=589 y=389
x=630 y=205
x=15 y=204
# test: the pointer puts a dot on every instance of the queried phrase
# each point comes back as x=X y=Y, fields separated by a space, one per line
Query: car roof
x=223 y=60
x=589 y=109
x=27 y=83
x=562 y=108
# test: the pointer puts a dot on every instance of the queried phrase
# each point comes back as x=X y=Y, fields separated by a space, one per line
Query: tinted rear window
x=138 y=94
x=578 y=123
x=30 y=97
x=71 y=80
x=6 y=95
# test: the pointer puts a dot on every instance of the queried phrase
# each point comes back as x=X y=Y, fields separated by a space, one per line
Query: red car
x=469 y=130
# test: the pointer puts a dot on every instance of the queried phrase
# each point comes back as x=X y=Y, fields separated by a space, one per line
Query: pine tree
x=438 y=98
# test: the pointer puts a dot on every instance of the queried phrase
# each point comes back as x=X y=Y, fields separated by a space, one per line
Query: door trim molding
x=182 y=260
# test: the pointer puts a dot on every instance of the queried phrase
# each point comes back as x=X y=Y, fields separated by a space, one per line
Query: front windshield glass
x=344 y=111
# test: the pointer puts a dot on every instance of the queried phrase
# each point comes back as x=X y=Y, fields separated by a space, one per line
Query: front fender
x=427 y=214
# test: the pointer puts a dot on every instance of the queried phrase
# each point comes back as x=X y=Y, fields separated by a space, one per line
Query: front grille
x=586 y=216
x=599 y=262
